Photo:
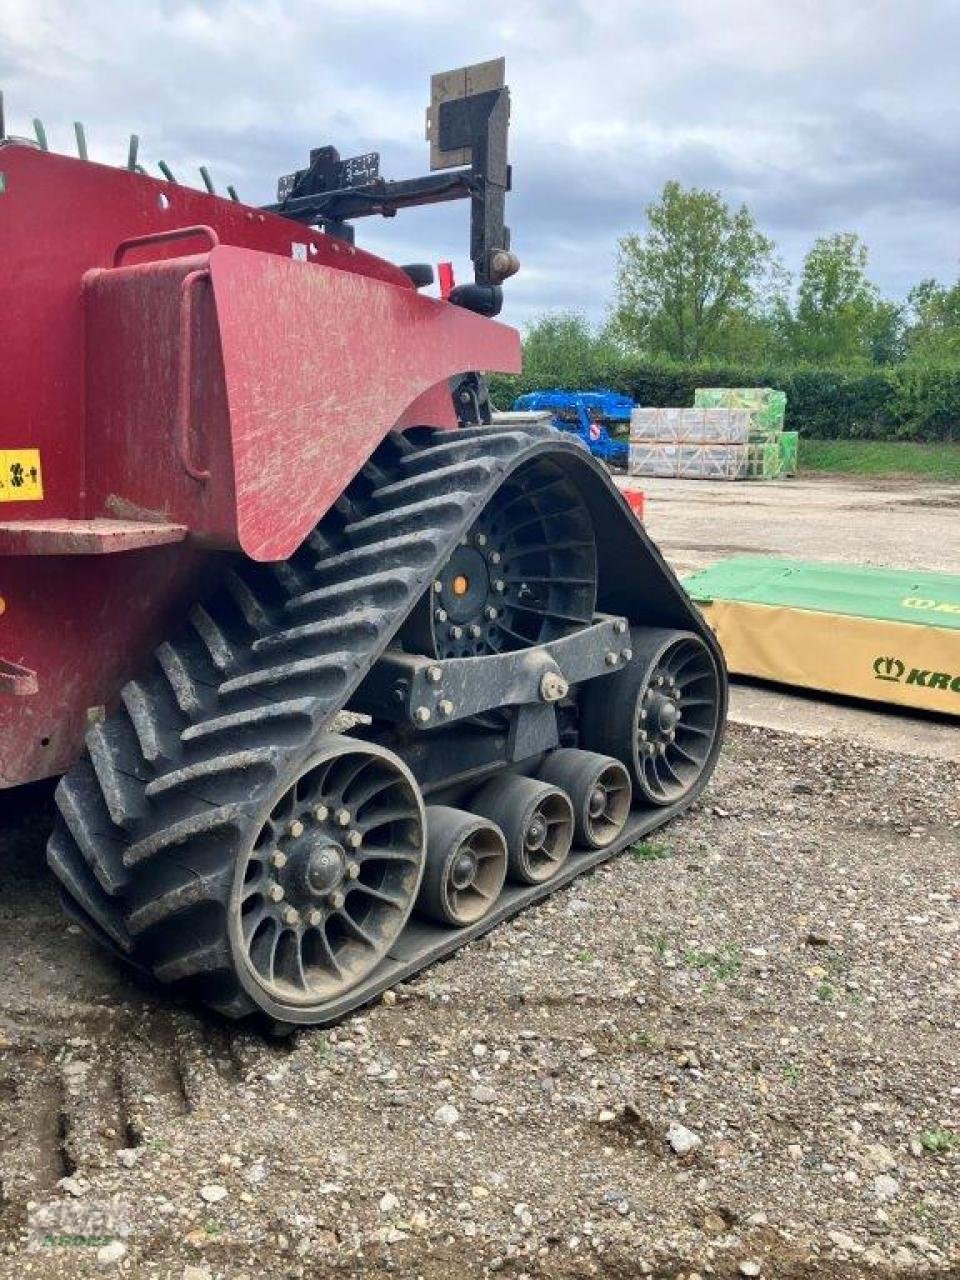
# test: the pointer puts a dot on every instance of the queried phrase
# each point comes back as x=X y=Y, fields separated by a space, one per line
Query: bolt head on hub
x=343 y=817
x=314 y=917
x=626 y=654
x=321 y=813
x=336 y=899
x=291 y=916
x=445 y=707
x=481 y=539
x=278 y=859
x=275 y=892
x=296 y=828
x=354 y=839
x=475 y=632
x=437 y=586
x=353 y=870
x=611 y=658
x=422 y=715
x=553 y=686
x=499 y=586
x=456 y=633
x=495 y=557
x=441 y=615
x=490 y=613
x=435 y=674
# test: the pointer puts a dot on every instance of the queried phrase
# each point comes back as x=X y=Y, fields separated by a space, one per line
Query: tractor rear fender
x=238 y=393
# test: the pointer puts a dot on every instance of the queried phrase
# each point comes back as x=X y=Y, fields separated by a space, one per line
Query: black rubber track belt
x=154 y=817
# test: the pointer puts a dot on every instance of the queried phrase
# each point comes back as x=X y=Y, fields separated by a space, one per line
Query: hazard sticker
x=20 y=476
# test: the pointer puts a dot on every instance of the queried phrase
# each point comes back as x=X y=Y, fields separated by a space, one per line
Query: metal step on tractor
x=338 y=674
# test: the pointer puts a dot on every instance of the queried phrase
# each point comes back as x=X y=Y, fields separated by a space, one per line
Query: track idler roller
x=537 y=820
x=465 y=868
x=599 y=790
x=659 y=715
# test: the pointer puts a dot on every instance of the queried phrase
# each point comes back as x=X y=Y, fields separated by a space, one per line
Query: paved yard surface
x=894 y=523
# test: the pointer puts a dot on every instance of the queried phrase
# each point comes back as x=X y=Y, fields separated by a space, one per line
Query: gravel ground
x=731 y=1052
x=900 y=523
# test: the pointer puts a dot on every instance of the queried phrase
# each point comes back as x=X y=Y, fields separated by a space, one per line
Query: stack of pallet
x=776 y=451
x=729 y=434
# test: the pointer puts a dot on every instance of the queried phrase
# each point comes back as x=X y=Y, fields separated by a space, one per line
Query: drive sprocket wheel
x=330 y=876
x=659 y=715
x=525 y=573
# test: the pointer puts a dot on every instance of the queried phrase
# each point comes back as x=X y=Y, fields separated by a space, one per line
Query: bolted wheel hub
x=662 y=712
x=525 y=573
x=332 y=876
x=319 y=868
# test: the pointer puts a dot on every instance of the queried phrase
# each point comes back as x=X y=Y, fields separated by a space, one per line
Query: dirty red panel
x=84 y=625
x=59 y=217
x=318 y=368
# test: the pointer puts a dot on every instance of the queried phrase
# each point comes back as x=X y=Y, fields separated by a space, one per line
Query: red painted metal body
x=189 y=394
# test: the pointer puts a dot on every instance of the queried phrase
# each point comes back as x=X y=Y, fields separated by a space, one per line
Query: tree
x=562 y=349
x=698 y=274
x=934 y=333
x=839 y=316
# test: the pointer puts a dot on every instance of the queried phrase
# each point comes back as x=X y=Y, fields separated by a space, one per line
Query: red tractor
x=339 y=672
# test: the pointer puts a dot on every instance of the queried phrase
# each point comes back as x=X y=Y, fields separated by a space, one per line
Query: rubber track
x=152 y=819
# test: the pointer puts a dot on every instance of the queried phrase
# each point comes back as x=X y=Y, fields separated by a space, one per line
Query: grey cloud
x=819 y=117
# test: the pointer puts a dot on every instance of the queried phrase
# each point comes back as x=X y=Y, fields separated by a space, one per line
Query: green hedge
x=897 y=402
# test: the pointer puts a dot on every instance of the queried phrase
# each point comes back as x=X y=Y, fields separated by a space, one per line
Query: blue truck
x=585 y=414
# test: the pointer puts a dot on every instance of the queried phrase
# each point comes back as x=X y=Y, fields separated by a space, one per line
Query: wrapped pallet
x=689 y=461
x=765 y=405
x=689 y=426
x=789 y=450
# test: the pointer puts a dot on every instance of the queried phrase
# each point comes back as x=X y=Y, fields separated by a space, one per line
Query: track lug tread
x=121 y=792
x=222 y=653
x=158 y=741
x=184 y=687
x=66 y=862
x=190 y=893
x=190 y=777
x=84 y=812
x=205 y=823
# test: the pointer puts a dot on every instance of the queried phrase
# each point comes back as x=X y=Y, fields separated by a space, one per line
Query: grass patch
x=722 y=964
x=882 y=458
x=938 y=1141
x=648 y=851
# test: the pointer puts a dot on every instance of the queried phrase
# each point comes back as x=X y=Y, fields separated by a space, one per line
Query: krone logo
x=888 y=669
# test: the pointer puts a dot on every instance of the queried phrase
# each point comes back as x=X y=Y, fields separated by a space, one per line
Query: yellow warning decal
x=20 y=477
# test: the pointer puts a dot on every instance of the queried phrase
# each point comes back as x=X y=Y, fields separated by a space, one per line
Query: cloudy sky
x=823 y=115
